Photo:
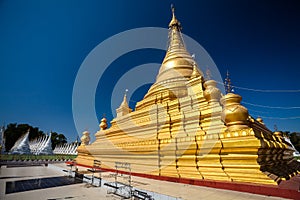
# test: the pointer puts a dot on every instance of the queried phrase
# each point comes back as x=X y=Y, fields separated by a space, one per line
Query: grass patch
x=10 y=157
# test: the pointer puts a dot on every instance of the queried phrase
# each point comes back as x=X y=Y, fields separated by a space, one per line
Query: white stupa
x=66 y=149
x=46 y=148
x=22 y=145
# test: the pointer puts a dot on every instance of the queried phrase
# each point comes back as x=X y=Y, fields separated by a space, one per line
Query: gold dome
x=103 y=124
x=85 y=139
x=260 y=120
x=211 y=92
x=234 y=115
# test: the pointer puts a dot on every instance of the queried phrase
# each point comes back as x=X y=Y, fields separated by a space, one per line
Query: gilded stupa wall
x=185 y=128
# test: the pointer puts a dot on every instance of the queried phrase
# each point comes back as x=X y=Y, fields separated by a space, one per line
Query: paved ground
x=162 y=190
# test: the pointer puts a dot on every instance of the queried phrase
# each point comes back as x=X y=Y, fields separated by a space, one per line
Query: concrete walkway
x=169 y=190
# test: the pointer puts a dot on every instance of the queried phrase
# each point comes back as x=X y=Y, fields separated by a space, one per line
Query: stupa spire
x=178 y=62
x=124 y=109
x=196 y=72
x=177 y=67
x=175 y=37
x=124 y=102
x=174 y=23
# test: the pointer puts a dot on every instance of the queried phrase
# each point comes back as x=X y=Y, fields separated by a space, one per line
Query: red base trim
x=241 y=187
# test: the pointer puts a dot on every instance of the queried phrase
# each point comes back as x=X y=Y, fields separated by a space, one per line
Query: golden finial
x=260 y=120
x=227 y=84
x=124 y=102
x=125 y=95
x=173 y=10
x=85 y=139
x=124 y=108
x=174 y=22
x=103 y=124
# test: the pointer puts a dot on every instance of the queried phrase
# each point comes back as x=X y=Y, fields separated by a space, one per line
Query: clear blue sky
x=43 y=43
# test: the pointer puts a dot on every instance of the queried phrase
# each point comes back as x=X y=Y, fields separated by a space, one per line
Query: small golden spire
x=195 y=72
x=208 y=74
x=124 y=102
x=124 y=108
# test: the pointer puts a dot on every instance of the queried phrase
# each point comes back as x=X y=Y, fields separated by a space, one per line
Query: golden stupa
x=186 y=128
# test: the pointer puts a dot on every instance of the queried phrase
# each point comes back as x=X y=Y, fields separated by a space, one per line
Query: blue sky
x=43 y=44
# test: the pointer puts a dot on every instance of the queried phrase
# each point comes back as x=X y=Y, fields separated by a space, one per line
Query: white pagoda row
x=66 y=149
x=40 y=146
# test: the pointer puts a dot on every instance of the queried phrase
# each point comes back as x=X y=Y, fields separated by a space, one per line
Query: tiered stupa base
x=185 y=130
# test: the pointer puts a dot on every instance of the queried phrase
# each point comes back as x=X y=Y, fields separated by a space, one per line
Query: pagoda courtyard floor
x=51 y=183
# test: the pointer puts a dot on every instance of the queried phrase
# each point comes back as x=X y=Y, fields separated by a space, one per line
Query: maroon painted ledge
x=286 y=189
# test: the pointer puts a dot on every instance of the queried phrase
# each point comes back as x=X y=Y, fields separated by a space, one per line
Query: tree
x=295 y=139
x=57 y=139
